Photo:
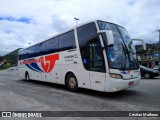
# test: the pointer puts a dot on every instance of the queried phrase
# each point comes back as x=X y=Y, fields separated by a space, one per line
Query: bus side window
x=86 y=33
x=40 y=49
x=25 y=54
x=52 y=45
x=20 y=55
x=67 y=41
x=31 y=51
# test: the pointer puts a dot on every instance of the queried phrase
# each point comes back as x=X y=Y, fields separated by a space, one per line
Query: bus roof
x=64 y=32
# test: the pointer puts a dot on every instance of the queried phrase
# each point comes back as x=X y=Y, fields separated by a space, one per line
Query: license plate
x=131 y=83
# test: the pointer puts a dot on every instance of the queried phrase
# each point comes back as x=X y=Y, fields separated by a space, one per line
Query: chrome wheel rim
x=72 y=82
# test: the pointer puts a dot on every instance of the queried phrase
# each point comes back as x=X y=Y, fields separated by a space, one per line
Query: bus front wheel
x=71 y=82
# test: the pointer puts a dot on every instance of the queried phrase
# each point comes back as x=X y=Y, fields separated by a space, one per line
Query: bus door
x=96 y=65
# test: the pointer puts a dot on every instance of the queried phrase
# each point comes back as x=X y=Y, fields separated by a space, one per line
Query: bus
x=97 y=55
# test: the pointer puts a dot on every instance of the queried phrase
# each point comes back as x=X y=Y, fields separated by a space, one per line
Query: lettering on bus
x=70 y=57
x=47 y=62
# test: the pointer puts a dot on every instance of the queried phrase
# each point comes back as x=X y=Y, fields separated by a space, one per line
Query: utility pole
x=76 y=21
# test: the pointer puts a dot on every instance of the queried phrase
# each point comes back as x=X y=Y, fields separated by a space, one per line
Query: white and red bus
x=97 y=55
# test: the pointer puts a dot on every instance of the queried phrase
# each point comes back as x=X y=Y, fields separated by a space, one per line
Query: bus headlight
x=118 y=76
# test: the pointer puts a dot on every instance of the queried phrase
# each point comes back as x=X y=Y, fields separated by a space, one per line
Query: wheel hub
x=72 y=82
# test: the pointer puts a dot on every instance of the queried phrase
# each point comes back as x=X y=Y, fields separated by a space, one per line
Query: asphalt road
x=19 y=95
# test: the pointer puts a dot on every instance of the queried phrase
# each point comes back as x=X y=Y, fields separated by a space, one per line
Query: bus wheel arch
x=71 y=81
x=27 y=75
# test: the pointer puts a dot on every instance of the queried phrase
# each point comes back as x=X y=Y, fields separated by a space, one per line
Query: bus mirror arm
x=109 y=35
x=144 y=45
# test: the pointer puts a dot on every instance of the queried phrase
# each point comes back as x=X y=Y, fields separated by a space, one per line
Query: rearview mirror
x=144 y=45
x=109 y=35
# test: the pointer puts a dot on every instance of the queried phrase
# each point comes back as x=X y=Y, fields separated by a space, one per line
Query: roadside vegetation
x=10 y=59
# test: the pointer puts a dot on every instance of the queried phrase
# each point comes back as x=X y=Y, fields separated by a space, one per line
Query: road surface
x=19 y=95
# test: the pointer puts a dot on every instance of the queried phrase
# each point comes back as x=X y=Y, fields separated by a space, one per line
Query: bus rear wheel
x=27 y=76
x=71 y=82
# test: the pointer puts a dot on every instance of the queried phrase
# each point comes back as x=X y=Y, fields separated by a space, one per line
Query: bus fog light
x=118 y=76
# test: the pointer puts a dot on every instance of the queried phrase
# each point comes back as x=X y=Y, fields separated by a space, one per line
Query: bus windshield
x=119 y=56
x=128 y=41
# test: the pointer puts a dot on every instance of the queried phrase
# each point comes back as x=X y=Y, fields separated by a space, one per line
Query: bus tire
x=27 y=76
x=71 y=82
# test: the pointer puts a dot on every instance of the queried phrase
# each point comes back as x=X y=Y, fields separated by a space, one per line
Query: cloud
x=131 y=2
x=36 y=20
x=59 y=24
x=145 y=20
x=22 y=19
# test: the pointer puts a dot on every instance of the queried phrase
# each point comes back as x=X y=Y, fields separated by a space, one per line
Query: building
x=149 y=58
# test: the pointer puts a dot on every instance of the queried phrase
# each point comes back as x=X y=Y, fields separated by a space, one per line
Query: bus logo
x=47 y=63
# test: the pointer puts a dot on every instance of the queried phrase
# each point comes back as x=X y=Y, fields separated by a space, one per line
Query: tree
x=1 y=58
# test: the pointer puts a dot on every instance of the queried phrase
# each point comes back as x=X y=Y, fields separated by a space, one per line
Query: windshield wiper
x=130 y=57
x=126 y=52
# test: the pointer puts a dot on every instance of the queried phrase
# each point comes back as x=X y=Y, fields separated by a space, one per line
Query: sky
x=31 y=21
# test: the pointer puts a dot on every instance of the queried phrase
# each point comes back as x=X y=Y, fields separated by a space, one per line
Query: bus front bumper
x=113 y=85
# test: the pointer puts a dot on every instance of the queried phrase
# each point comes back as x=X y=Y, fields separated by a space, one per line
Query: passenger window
x=52 y=45
x=20 y=55
x=40 y=49
x=31 y=52
x=67 y=41
x=25 y=54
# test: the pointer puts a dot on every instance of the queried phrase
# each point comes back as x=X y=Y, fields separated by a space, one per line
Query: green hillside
x=10 y=59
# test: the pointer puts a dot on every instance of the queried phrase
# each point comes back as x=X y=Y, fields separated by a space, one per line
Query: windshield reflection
x=119 y=57
x=128 y=41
